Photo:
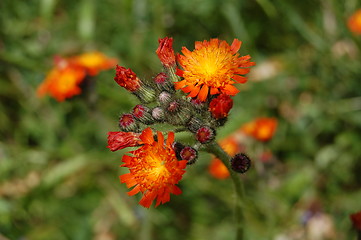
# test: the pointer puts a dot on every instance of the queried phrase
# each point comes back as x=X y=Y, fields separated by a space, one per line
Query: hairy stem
x=215 y=149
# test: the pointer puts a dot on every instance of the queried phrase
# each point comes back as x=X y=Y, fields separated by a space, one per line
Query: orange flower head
x=261 y=129
x=165 y=52
x=212 y=68
x=154 y=169
x=354 y=22
x=94 y=62
x=127 y=78
x=62 y=81
x=217 y=169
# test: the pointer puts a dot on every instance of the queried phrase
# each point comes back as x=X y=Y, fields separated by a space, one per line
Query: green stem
x=215 y=149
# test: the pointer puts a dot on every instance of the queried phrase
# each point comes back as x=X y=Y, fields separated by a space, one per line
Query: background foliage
x=58 y=181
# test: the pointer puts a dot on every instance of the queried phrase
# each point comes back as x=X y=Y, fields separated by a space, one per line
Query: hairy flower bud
x=190 y=154
x=205 y=134
x=240 y=163
x=143 y=114
x=178 y=112
x=220 y=106
x=127 y=123
x=194 y=124
x=164 y=98
x=120 y=140
x=158 y=114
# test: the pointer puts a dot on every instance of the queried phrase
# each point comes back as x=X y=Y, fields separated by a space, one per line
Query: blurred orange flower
x=261 y=129
x=354 y=22
x=64 y=79
x=217 y=169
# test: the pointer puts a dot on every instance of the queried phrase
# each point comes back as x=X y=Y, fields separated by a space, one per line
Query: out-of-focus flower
x=356 y=220
x=217 y=169
x=154 y=169
x=261 y=129
x=127 y=79
x=212 y=68
x=220 y=106
x=120 y=140
x=165 y=52
x=64 y=79
x=94 y=62
x=354 y=22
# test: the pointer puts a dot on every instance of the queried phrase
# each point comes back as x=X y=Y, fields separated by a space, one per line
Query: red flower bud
x=240 y=163
x=220 y=106
x=165 y=52
x=127 y=123
x=127 y=78
x=120 y=140
x=356 y=220
x=190 y=154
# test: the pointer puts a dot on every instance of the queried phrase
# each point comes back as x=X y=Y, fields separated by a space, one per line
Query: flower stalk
x=215 y=149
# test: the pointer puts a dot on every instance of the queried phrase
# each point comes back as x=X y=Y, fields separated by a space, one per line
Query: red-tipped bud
x=240 y=163
x=356 y=220
x=143 y=114
x=220 y=106
x=120 y=140
x=173 y=106
x=190 y=154
x=127 y=123
x=127 y=78
x=161 y=78
x=165 y=52
x=205 y=134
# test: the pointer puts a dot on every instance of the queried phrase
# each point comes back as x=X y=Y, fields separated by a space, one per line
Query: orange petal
x=180 y=84
x=147 y=136
x=236 y=45
x=239 y=79
x=230 y=90
x=194 y=91
x=203 y=93
x=170 y=138
x=242 y=71
x=214 y=91
x=179 y=72
x=160 y=139
x=128 y=179
x=134 y=191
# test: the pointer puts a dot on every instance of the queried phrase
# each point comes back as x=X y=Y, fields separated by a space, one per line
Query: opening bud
x=120 y=140
x=165 y=52
x=205 y=134
x=240 y=163
x=220 y=106
x=190 y=154
x=127 y=123
x=143 y=114
x=127 y=78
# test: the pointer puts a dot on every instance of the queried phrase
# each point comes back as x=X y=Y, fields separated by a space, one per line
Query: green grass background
x=59 y=181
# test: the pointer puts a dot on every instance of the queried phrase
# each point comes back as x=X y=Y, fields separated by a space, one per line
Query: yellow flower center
x=211 y=66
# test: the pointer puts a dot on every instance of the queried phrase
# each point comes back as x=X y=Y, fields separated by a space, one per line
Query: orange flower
x=217 y=169
x=154 y=169
x=354 y=22
x=261 y=129
x=64 y=79
x=212 y=68
x=94 y=62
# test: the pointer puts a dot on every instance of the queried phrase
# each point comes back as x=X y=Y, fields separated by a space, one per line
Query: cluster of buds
x=192 y=94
